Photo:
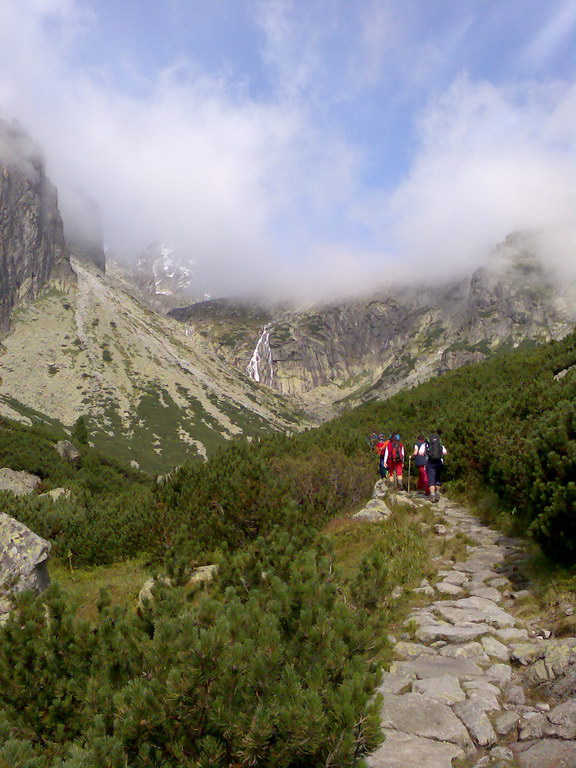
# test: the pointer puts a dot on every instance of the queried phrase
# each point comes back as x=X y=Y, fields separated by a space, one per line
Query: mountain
x=336 y=354
x=79 y=342
x=150 y=392
x=33 y=252
x=156 y=389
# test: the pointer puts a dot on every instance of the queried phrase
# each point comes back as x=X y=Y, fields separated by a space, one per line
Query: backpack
x=422 y=455
x=435 y=448
x=394 y=450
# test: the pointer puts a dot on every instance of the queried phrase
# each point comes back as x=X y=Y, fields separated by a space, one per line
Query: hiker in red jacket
x=394 y=459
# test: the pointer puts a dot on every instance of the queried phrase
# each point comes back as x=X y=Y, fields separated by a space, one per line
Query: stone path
x=472 y=686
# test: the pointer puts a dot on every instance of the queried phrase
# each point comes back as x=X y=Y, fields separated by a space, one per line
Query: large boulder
x=23 y=561
x=20 y=483
x=67 y=451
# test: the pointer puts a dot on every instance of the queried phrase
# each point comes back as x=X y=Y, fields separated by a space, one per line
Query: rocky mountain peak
x=33 y=251
x=160 y=275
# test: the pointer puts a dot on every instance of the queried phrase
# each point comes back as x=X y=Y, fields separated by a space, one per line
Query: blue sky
x=328 y=143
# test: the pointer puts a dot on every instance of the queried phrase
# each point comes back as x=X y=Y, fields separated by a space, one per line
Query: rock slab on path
x=402 y=750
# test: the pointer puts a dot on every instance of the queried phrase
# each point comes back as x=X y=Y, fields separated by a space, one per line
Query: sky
x=303 y=145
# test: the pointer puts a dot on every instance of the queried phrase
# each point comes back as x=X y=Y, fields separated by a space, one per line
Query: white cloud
x=266 y=190
x=492 y=161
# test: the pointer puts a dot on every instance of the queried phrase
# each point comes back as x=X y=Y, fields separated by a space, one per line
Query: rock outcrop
x=57 y=493
x=23 y=562
x=33 y=252
x=202 y=574
x=68 y=451
x=18 y=483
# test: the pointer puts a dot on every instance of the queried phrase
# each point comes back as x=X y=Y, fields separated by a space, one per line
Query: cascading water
x=260 y=364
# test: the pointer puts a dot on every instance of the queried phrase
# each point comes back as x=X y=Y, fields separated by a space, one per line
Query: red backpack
x=395 y=450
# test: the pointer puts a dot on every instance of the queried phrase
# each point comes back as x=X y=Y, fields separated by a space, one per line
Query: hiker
x=420 y=460
x=372 y=440
x=381 y=450
x=394 y=459
x=435 y=452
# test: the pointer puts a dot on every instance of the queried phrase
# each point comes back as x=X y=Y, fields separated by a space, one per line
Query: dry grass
x=122 y=581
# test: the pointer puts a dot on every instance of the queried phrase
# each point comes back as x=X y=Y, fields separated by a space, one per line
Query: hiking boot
x=437 y=498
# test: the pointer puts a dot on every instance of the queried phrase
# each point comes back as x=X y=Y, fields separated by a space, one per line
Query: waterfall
x=262 y=354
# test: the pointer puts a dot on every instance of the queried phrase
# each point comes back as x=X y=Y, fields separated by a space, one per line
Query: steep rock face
x=349 y=351
x=32 y=248
x=231 y=327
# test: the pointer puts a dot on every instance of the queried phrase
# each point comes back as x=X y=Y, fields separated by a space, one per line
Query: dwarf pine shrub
x=271 y=667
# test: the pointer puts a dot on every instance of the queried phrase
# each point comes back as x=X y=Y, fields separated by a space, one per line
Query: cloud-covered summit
x=328 y=145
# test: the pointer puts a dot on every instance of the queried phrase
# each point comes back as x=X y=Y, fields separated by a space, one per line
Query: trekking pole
x=409 y=470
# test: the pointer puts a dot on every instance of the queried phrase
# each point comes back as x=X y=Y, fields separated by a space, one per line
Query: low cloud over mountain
x=303 y=163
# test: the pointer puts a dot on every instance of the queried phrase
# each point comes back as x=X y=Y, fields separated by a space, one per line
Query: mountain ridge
x=349 y=351
x=158 y=388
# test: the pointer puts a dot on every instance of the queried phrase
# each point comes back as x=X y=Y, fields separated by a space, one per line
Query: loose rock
x=67 y=451
x=473 y=715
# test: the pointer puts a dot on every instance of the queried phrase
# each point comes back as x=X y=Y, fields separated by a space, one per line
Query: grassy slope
x=150 y=393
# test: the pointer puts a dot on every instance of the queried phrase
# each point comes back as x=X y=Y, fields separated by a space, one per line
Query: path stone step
x=417 y=715
x=403 y=750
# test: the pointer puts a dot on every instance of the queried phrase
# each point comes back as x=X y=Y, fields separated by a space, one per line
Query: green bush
x=270 y=667
x=551 y=464
x=92 y=530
